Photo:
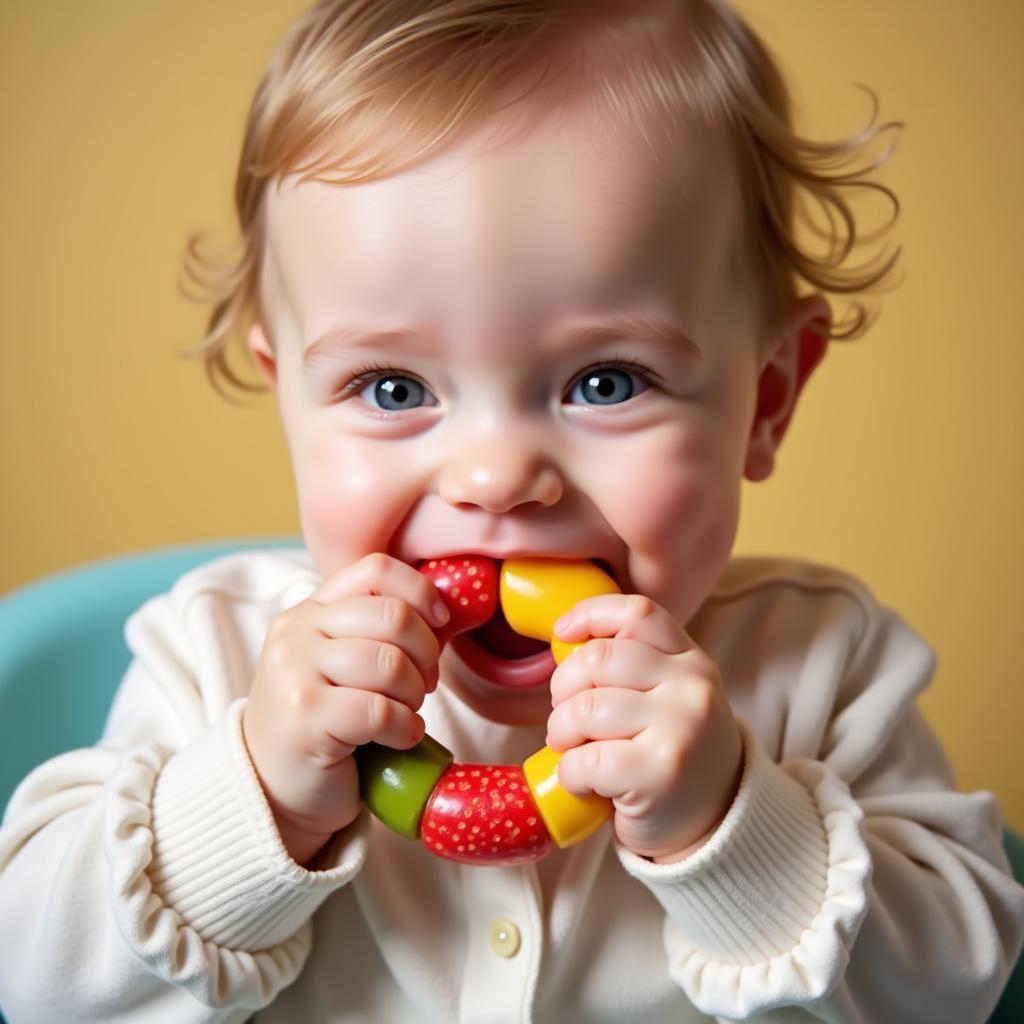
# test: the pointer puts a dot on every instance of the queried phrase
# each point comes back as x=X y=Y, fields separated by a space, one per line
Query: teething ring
x=490 y=813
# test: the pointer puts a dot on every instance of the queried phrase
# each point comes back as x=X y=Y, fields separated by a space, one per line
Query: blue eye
x=606 y=385
x=396 y=393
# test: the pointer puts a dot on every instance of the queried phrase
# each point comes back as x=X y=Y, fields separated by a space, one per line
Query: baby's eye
x=396 y=393
x=606 y=385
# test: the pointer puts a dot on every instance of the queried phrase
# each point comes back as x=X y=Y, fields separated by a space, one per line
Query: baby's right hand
x=350 y=664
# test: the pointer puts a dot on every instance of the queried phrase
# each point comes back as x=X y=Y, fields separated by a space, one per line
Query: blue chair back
x=62 y=649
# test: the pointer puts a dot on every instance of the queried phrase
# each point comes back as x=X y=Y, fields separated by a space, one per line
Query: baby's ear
x=263 y=355
x=785 y=370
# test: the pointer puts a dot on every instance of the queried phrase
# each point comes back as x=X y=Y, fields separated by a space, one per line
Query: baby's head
x=523 y=278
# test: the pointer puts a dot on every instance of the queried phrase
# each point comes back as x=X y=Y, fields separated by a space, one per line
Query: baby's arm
x=97 y=939
x=147 y=875
x=849 y=881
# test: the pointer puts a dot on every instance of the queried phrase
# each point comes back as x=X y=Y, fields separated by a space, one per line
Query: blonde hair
x=363 y=89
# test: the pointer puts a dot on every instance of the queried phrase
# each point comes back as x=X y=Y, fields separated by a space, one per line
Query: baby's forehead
x=562 y=185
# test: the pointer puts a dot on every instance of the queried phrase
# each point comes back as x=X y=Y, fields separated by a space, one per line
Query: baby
x=523 y=280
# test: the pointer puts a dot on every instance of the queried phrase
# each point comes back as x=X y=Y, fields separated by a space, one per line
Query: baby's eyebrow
x=626 y=327
x=354 y=336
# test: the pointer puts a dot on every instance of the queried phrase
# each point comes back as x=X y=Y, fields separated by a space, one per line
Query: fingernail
x=441 y=612
x=563 y=622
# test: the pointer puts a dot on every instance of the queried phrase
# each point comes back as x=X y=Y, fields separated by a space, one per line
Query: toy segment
x=396 y=784
x=489 y=813
x=537 y=592
x=468 y=585
x=569 y=818
x=484 y=814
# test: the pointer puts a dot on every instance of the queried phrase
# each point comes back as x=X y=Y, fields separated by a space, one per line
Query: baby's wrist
x=686 y=851
x=303 y=843
x=302 y=846
x=693 y=845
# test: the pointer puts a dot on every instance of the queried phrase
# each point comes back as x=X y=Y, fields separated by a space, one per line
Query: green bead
x=396 y=784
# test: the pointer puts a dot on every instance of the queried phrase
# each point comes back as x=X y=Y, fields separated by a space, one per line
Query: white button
x=505 y=938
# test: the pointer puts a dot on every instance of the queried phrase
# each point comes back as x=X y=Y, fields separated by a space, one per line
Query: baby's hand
x=643 y=719
x=348 y=665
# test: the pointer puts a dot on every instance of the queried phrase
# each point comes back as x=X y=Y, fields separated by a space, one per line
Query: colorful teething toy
x=489 y=813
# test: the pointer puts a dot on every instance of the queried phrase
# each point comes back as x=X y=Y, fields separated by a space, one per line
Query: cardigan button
x=505 y=937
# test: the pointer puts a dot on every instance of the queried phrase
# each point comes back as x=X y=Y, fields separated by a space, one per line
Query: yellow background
x=121 y=124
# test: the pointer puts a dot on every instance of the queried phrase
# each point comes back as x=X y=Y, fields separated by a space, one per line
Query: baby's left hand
x=642 y=716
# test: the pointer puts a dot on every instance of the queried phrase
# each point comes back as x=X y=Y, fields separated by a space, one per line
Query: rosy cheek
x=349 y=499
x=657 y=489
x=676 y=507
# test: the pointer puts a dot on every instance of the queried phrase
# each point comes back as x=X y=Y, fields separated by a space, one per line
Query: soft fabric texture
x=849 y=881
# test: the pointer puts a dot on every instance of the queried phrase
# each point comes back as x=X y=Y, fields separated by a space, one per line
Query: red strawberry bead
x=468 y=585
x=484 y=814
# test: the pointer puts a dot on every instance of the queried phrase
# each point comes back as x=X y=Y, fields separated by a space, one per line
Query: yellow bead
x=569 y=818
x=537 y=592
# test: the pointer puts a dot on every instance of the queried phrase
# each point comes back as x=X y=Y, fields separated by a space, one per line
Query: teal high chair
x=62 y=655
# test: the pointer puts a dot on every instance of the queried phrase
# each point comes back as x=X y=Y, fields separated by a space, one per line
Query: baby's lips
x=468 y=585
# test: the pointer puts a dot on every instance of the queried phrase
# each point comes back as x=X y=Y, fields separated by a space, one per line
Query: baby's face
x=543 y=348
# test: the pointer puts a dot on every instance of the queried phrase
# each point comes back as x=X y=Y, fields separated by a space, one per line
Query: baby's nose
x=499 y=473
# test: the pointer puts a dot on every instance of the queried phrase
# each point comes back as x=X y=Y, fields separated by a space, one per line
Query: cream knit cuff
x=218 y=860
x=767 y=910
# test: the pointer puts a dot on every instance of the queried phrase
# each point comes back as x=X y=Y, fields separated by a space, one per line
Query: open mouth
x=498 y=638
x=500 y=655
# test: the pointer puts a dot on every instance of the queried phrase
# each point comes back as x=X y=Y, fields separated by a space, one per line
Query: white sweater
x=143 y=880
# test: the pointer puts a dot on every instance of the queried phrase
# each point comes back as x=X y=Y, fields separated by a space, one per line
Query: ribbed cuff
x=768 y=908
x=218 y=859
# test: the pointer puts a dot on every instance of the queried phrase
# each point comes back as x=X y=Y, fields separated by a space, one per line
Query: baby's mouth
x=498 y=638
x=496 y=653
x=503 y=658
x=492 y=649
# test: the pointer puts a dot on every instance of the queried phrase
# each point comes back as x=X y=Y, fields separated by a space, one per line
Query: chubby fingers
x=616 y=689
x=380 y=658
x=612 y=768
x=603 y=662
x=597 y=714
x=386 y=619
x=354 y=717
x=631 y=664
x=626 y=616
x=355 y=663
x=330 y=694
x=380 y=574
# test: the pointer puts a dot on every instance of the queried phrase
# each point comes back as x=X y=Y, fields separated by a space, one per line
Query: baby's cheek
x=348 y=501
x=671 y=501
x=661 y=489
x=677 y=510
